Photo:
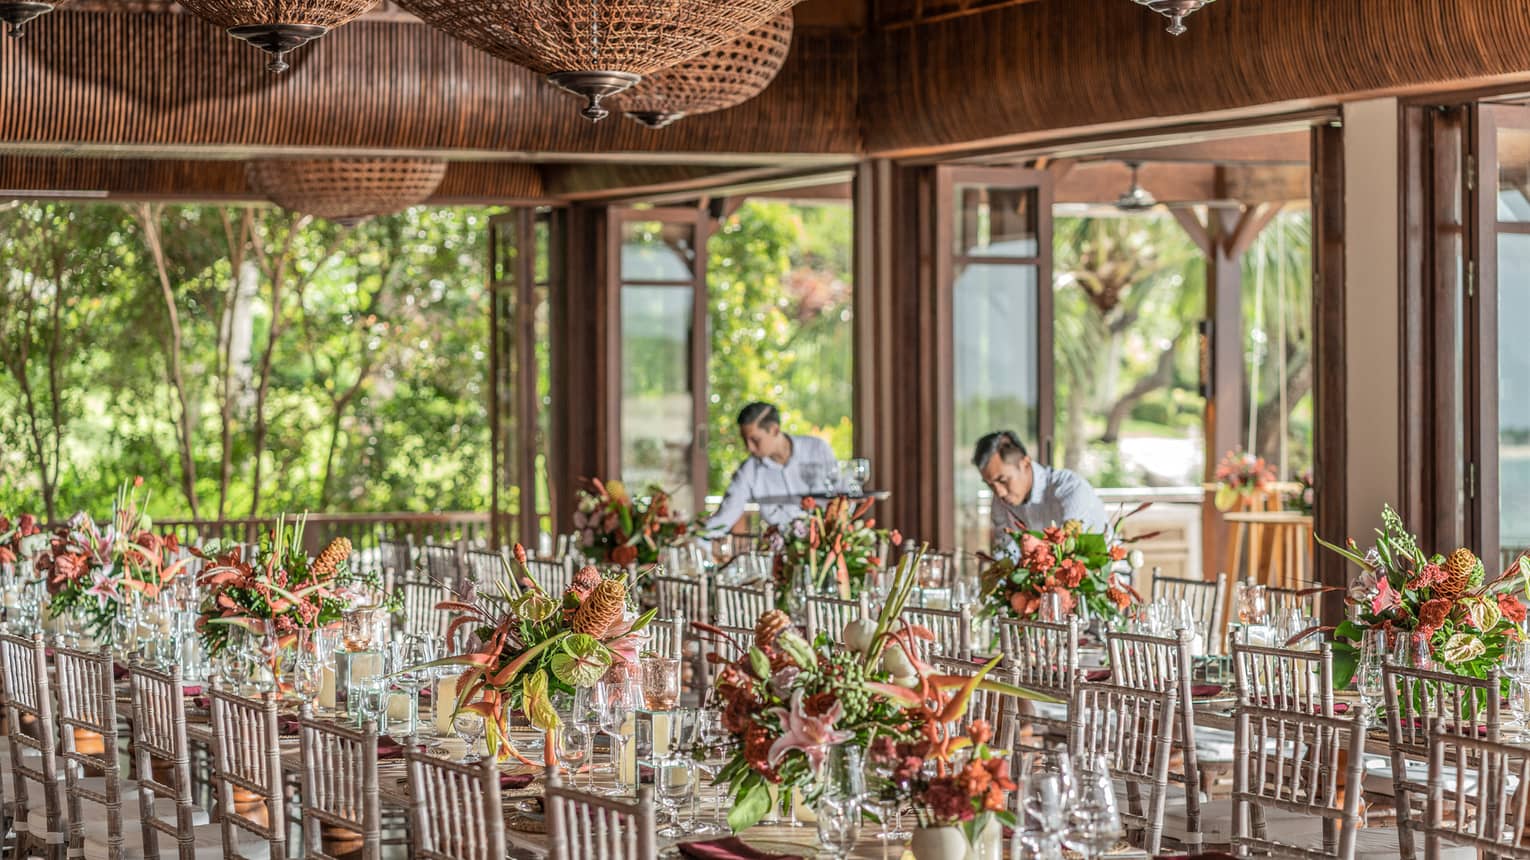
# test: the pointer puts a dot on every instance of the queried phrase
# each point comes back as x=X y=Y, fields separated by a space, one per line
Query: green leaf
x=582 y=661
x=643 y=621
x=535 y=702
x=759 y=663
x=751 y=805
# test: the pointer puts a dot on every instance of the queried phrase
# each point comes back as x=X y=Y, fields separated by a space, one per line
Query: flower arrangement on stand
x=832 y=550
x=615 y=528
x=530 y=645
x=278 y=593
x=1081 y=568
x=1240 y=476
x=1304 y=499
x=92 y=572
x=786 y=701
x=1444 y=603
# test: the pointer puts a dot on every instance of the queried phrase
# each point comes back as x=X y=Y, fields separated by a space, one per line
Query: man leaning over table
x=1028 y=493
x=775 y=468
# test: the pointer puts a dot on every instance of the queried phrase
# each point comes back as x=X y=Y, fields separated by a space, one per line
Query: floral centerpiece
x=1304 y=499
x=614 y=527
x=1240 y=475
x=1080 y=567
x=277 y=591
x=1442 y=602
x=530 y=645
x=91 y=571
x=831 y=550
x=15 y=541
x=785 y=701
x=969 y=796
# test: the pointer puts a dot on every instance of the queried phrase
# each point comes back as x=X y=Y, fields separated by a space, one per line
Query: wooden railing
x=364 y=530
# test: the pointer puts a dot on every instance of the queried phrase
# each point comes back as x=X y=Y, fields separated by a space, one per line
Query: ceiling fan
x=1135 y=198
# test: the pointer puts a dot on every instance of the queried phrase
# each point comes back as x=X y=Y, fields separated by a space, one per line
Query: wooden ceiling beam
x=1103 y=182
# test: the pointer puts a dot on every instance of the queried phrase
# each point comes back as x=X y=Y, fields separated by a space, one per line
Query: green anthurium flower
x=581 y=661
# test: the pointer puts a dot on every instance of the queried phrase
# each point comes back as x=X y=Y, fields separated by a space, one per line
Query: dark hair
x=1003 y=444
x=759 y=414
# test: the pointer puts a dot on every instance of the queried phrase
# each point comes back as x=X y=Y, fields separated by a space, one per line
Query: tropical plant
x=614 y=527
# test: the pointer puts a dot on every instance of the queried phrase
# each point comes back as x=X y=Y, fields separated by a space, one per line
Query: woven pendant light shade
x=16 y=13
x=717 y=79
x=346 y=190
x=596 y=48
x=1176 y=11
x=278 y=26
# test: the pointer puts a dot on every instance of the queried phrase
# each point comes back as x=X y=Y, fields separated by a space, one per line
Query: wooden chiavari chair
x=247 y=756
x=1158 y=663
x=679 y=596
x=1207 y=599
x=829 y=615
x=442 y=564
x=1133 y=730
x=421 y=617
x=1045 y=658
x=397 y=560
x=583 y=826
x=552 y=577
x=1427 y=710
x=456 y=808
x=39 y=818
x=1489 y=819
x=742 y=605
x=158 y=705
x=1293 y=761
x=484 y=566
x=87 y=704
x=1284 y=678
x=952 y=629
x=340 y=789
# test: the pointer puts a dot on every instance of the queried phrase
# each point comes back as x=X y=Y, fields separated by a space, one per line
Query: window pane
x=1513 y=174
x=996 y=376
x=657 y=423
x=655 y=251
x=995 y=222
x=1513 y=393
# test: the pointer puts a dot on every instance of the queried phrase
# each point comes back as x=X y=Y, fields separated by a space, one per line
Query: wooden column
x=1330 y=410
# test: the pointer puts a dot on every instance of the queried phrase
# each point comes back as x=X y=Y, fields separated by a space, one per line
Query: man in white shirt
x=778 y=465
x=1032 y=495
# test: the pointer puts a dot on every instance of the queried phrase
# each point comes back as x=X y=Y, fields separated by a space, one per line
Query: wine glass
x=673 y=772
x=1094 y=822
x=575 y=747
x=883 y=796
x=307 y=678
x=613 y=700
x=712 y=737
x=839 y=825
x=470 y=728
x=407 y=658
x=860 y=473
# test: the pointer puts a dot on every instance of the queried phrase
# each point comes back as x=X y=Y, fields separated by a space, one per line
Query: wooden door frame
x=513 y=457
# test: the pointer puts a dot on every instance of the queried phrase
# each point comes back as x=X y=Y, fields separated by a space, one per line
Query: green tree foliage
x=779 y=293
x=371 y=341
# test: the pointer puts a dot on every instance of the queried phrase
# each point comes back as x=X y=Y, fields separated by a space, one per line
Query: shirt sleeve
x=734 y=501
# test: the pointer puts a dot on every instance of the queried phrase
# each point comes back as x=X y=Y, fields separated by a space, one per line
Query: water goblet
x=613 y=700
x=839 y=825
x=575 y=748
x=470 y=728
x=1094 y=822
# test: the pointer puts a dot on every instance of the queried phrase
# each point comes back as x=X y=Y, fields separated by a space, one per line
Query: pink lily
x=1386 y=598
x=103 y=587
x=812 y=735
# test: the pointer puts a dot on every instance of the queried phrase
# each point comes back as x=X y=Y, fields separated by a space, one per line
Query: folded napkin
x=389 y=748
x=1097 y=675
x=119 y=672
x=516 y=780
x=202 y=702
x=728 y=848
x=1205 y=691
x=1279 y=702
x=192 y=690
x=288 y=725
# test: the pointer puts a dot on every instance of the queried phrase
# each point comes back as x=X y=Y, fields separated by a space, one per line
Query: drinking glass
x=884 y=799
x=469 y=727
x=839 y=825
x=1094 y=822
x=307 y=678
x=661 y=682
x=613 y=700
x=674 y=772
x=1052 y=608
x=712 y=737
x=860 y=472
x=407 y=658
x=575 y=747
x=371 y=698
x=1252 y=608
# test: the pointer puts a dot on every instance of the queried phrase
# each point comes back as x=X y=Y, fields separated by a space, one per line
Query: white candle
x=327 y=688
x=441 y=705
x=626 y=771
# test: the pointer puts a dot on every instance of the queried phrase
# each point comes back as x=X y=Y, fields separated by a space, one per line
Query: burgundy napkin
x=202 y=702
x=728 y=848
x=389 y=748
x=1097 y=675
x=192 y=690
x=516 y=780
x=1205 y=691
x=119 y=672
x=1280 y=702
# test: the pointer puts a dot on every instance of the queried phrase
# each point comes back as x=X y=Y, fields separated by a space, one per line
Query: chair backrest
x=746 y=566
x=1278 y=600
x=397 y=559
x=583 y=826
x=484 y=565
x=678 y=596
x=733 y=644
x=1044 y=654
x=742 y=605
x=1133 y=730
x=442 y=563
x=1284 y=678
x=247 y=755
x=1477 y=796
x=952 y=629
x=421 y=617
x=29 y=694
x=667 y=635
x=1293 y=761
x=87 y=702
x=455 y=808
x=339 y=785
x=1207 y=599
x=159 y=734
x=1427 y=710
x=830 y=615
x=552 y=577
